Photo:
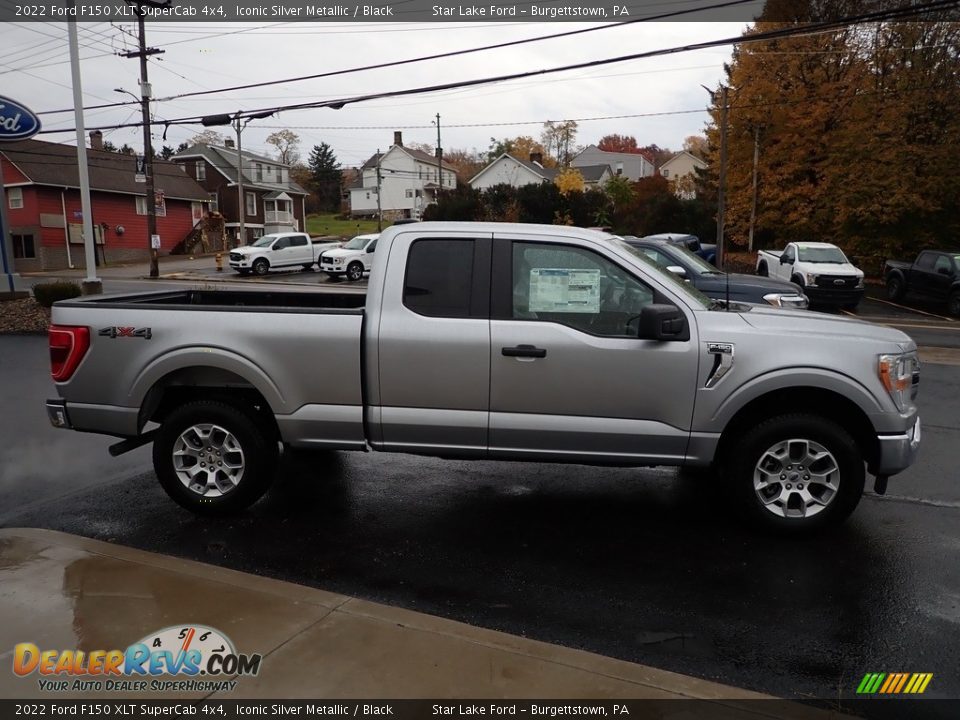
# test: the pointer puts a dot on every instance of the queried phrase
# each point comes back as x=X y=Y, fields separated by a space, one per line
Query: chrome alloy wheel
x=796 y=478
x=208 y=460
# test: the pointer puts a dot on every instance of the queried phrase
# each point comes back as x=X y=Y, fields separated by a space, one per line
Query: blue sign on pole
x=17 y=122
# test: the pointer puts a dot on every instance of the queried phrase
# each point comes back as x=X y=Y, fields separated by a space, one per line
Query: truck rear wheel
x=213 y=458
x=894 y=288
x=795 y=473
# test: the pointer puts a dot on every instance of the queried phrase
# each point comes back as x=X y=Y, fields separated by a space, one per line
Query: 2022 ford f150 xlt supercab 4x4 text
x=495 y=341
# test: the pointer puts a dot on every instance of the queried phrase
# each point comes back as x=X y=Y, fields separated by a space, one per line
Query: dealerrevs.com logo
x=187 y=657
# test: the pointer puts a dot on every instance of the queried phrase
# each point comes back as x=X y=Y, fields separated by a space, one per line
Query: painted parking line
x=910 y=309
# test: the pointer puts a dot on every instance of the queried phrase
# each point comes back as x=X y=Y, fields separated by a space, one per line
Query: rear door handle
x=524 y=351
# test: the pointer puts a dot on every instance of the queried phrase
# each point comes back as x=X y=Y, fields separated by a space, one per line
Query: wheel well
x=815 y=401
x=796 y=278
x=205 y=383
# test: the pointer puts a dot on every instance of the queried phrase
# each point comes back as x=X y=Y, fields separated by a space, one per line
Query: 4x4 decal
x=115 y=332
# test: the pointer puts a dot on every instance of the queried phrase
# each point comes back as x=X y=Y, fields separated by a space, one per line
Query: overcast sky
x=35 y=70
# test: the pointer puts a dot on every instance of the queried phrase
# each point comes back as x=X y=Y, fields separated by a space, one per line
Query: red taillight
x=68 y=345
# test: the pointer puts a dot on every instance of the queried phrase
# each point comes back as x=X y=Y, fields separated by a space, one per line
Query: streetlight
x=235 y=121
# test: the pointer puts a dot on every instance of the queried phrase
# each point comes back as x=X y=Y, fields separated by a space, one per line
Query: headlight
x=793 y=300
x=900 y=375
x=860 y=282
x=810 y=278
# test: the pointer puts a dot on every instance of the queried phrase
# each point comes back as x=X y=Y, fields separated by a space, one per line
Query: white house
x=512 y=171
x=681 y=170
x=631 y=165
x=408 y=181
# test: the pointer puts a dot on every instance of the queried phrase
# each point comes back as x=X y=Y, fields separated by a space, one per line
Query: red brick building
x=44 y=211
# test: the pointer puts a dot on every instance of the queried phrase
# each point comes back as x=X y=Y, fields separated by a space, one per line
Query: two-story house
x=44 y=208
x=399 y=183
x=632 y=166
x=272 y=201
x=681 y=172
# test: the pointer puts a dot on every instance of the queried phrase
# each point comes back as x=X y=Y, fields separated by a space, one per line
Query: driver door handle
x=528 y=351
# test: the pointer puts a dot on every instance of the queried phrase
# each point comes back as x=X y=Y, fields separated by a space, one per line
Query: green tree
x=325 y=176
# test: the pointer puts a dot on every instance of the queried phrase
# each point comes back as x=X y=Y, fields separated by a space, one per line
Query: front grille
x=837 y=281
x=236 y=257
x=327 y=261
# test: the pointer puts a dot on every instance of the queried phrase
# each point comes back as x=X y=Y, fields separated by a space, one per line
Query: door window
x=925 y=261
x=788 y=255
x=439 y=278
x=576 y=287
x=943 y=266
x=298 y=241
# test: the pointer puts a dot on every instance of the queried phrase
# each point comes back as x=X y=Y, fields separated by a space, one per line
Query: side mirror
x=678 y=271
x=783 y=260
x=663 y=322
x=854 y=260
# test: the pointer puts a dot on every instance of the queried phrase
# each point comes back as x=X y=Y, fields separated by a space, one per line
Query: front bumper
x=898 y=452
x=829 y=296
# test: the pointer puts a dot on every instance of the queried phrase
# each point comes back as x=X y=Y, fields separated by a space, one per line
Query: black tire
x=251 y=447
x=762 y=270
x=800 y=432
x=797 y=280
x=261 y=266
x=850 y=307
x=953 y=303
x=894 y=288
x=308 y=266
x=354 y=271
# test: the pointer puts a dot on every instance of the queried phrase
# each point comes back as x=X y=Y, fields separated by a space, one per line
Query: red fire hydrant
x=219 y=259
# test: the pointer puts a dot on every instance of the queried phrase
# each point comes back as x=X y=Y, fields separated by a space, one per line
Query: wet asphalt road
x=635 y=564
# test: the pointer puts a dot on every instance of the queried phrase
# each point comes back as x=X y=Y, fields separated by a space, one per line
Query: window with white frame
x=251 y=203
x=201 y=170
x=161 y=209
x=214 y=203
x=15 y=198
x=259 y=172
x=409 y=193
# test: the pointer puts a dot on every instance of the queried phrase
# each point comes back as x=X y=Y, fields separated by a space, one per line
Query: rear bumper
x=57 y=414
x=898 y=452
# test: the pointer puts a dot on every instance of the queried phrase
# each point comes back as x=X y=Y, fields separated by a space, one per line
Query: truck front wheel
x=261 y=266
x=797 y=472
x=212 y=458
x=354 y=271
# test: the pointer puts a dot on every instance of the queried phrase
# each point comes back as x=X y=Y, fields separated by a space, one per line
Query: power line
x=424 y=58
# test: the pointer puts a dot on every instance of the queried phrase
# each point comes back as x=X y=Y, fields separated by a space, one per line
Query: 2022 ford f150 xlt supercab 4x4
x=495 y=341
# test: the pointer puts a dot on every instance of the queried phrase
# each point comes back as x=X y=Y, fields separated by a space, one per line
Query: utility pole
x=379 y=213
x=241 y=200
x=723 y=175
x=143 y=53
x=753 y=207
x=439 y=161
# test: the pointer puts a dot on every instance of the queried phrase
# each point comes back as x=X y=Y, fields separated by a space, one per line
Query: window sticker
x=564 y=290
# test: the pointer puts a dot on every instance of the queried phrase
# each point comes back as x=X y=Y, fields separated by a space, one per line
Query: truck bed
x=235 y=300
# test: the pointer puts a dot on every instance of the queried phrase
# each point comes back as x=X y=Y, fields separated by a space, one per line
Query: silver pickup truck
x=495 y=341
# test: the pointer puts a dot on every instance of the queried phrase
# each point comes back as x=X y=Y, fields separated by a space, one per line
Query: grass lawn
x=330 y=224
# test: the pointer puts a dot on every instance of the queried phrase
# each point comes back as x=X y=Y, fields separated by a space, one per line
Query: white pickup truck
x=352 y=259
x=821 y=269
x=278 y=250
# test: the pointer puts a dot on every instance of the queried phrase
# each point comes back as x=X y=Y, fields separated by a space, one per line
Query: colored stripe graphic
x=894 y=683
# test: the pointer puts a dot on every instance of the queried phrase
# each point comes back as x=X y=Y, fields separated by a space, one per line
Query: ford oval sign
x=16 y=121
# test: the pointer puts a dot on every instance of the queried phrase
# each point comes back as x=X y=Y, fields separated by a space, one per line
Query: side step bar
x=125 y=446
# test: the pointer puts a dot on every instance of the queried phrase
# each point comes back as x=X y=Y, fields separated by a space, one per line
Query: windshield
x=265 y=241
x=668 y=277
x=358 y=243
x=820 y=254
